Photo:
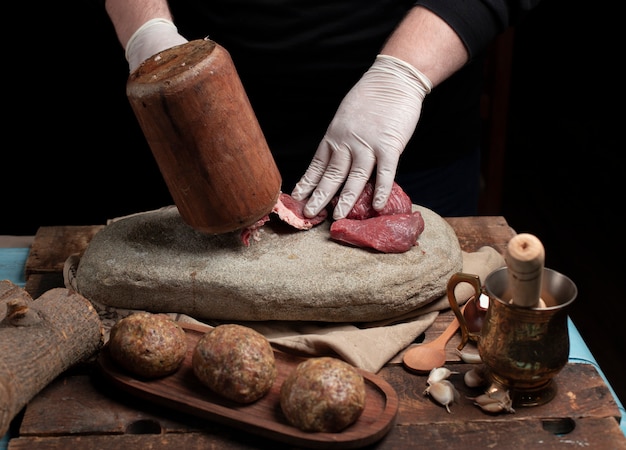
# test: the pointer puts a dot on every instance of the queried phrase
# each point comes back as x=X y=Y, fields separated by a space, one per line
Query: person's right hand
x=152 y=37
x=368 y=134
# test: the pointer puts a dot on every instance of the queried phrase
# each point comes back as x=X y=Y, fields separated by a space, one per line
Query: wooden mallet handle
x=525 y=258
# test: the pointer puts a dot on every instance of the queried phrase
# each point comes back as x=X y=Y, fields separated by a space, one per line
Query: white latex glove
x=152 y=37
x=370 y=129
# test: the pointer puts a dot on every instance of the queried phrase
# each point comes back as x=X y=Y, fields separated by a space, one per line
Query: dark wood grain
x=84 y=410
x=53 y=245
x=591 y=433
x=476 y=232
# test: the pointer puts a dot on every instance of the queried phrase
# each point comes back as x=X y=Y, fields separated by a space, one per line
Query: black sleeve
x=477 y=22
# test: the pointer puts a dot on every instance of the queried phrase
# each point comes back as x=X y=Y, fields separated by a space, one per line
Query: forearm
x=428 y=43
x=439 y=36
x=128 y=15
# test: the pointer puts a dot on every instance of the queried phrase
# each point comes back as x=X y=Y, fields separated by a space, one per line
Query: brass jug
x=522 y=348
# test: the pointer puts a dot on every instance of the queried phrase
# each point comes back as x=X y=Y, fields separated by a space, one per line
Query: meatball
x=236 y=362
x=323 y=394
x=148 y=345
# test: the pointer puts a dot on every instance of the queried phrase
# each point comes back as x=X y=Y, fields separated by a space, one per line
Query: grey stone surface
x=155 y=262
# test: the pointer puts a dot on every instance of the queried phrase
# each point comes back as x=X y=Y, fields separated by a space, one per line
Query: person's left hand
x=370 y=129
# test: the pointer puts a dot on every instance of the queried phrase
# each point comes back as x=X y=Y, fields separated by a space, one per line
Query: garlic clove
x=455 y=392
x=469 y=357
x=438 y=374
x=494 y=400
x=443 y=392
x=484 y=399
x=492 y=407
x=474 y=378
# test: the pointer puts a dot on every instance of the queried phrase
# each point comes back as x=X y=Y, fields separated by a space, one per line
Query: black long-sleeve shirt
x=298 y=59
x=478 y=22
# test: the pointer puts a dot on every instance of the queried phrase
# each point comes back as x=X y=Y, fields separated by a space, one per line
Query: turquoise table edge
x=13 y=262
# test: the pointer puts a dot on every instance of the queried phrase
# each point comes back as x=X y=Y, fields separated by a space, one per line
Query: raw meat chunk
x=252 y=232
x=291 y=210
x=394 y=233
x=398 y=203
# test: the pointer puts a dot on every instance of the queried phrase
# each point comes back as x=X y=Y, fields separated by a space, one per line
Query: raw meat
x=395 y=229
x=291 y=210
x=253 y=231
x=394 y=233
x=398 y=203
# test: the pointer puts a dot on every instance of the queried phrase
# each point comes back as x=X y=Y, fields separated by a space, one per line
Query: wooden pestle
x=525 y=258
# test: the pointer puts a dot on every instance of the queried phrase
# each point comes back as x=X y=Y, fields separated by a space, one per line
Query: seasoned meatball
x=148 y=345
x=236 y=362
x=323 y=394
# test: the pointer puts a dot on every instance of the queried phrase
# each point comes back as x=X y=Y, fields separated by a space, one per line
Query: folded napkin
x=368 y=346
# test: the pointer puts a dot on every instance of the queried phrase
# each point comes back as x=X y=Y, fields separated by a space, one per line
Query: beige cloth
x=368 y=346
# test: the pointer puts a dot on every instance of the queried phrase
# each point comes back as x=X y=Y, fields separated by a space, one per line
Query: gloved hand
x=151 y=38
x=370 y=129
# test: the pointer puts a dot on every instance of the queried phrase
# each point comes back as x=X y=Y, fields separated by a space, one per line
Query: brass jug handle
x=455 y=279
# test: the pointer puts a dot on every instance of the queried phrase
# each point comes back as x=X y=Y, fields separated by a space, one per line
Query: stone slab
x=155 y=262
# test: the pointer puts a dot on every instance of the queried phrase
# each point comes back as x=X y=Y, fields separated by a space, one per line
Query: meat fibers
x=393 y=233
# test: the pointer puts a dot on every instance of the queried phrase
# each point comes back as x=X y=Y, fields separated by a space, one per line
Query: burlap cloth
x=368 y=346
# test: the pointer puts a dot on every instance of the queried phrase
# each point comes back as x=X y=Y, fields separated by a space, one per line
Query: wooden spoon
x=425 y=357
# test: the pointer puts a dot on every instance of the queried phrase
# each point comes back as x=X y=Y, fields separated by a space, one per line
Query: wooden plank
x=581 y=392
x=230 y=439
x=474 y=232
x=87 y=406
x=53 y=245
x=589 y=433
x=50 y=248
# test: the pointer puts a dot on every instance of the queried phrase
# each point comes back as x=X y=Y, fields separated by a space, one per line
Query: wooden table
x=78 y=410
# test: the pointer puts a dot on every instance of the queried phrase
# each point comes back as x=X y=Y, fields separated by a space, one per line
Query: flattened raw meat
x=252 y=232
x=291 y=210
